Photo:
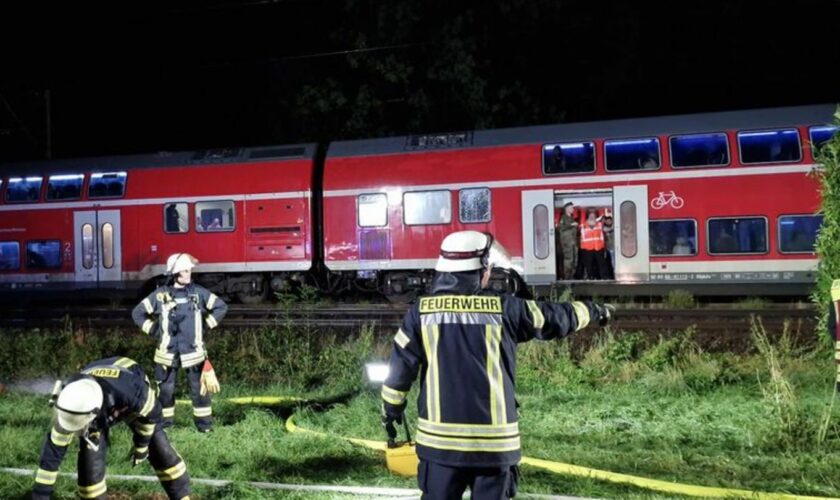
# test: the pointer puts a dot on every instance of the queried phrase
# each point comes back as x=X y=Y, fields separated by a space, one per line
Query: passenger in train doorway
x=176 y=314
x=609 y=243
x=592 y=263
x=567 y=236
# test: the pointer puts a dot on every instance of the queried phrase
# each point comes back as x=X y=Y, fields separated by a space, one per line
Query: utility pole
x=48 y=123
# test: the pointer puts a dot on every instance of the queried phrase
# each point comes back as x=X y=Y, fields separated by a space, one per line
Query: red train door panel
x=538 y=237
x=98 y=254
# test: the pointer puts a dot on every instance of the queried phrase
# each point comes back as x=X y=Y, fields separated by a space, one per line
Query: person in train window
x=172 y=219
x=682 y=247
x=567 y=236
x=176 y=314
x=216 y=224
x=592 y=264
x=725 y=243
x=559 y=159
x=648 y=162
x=198 y=225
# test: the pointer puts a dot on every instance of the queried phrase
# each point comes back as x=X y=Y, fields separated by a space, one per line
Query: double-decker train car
x=721 y=203
x=110 y=223
x=702 y=201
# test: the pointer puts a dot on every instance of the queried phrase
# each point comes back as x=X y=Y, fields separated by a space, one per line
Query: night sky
x=137 y=77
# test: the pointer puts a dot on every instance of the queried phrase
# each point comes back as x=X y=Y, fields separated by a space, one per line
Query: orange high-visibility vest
x=592 y=238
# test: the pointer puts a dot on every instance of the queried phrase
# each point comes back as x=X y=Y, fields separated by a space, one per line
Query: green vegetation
x=828 y=240
x=679 y=299
x=663 y=409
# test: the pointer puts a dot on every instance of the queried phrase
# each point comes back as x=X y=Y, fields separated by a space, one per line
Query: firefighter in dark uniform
x=177 y=314
x=105 y=393
x=462 y=340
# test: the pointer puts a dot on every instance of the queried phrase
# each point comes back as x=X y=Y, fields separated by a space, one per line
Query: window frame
x=726 y=217
x=9 y=182
x=631 y=139
x=582 y=172
x=722 y=165
x=753 y=131
x=196 y=214
x=404 y=212
x=19 y=262
x=48 y=268
x=387 y=215
x=55 y=200
x=811 y=144
x=166 y=204
x=90 y=184
x=489 y=205
x=779 y=234
x=675 y=219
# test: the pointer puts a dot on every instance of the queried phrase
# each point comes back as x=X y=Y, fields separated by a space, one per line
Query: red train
x=701 y=201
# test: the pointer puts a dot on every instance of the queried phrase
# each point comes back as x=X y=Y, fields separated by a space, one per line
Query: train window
x=427 y=207
x=629 y=243
x=65 y=187
x=87 y=246
x=821 y=134
x=23 y=189
x=9 y=255
x=632 y=154
x=176 y=218
x=107 y=185
x=798 y=233
x=737 y=235
x=372 y=210
x=44 y=254
x=1 y=185
x=568 y=158
x=673 y=237
x=214 y=216
x=770 y=146
x=474 y=205
x=699 y=150
x=541 y=241
x=107 y=245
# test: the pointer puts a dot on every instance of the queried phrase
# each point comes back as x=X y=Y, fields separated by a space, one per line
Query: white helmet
x=78 y=403
x=471 y=250
x=178 y=262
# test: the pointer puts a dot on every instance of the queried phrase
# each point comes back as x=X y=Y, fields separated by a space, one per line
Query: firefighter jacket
x=176 y=317
x=127 y=397
x=463 y=347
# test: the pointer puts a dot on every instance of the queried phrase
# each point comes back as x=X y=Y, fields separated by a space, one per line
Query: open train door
x=632 y=255
x=538 y=252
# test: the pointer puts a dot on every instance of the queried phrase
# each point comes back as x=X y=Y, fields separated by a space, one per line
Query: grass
x=666 y=410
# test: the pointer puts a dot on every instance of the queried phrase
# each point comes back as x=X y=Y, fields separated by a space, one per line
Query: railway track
x=711 y=320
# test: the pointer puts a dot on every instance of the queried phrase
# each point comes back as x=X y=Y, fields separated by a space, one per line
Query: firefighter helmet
x=78 y=403
x=178 y=262
x=470 y=251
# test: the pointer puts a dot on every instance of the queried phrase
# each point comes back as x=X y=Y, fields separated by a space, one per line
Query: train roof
x=587 y=131
x=163 y=159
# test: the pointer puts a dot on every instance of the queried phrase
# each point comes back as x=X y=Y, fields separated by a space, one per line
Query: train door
x=538 y=237
x=632 y=253
x=98 y=248
x=583 y=200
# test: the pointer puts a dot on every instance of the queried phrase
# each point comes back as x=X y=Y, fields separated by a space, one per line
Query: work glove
x=209 y=381
x=137 y=457
x=606 y=312
x=388 y=421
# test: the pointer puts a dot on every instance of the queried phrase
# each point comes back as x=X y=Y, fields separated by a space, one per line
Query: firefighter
x=88 y=404
x=592 y=263
x=461 y=339
x=176 y=314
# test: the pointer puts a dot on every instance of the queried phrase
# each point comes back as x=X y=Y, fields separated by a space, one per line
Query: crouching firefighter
x=176 y=314
x=88 y=404
x=462 y=340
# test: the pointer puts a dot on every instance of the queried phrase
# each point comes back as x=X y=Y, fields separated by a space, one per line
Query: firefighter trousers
x=170 y=469
x=202 y=410
x=442 y=482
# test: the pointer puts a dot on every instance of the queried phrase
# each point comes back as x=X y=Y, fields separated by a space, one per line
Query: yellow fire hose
x=254 y=400
x=613 y=477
